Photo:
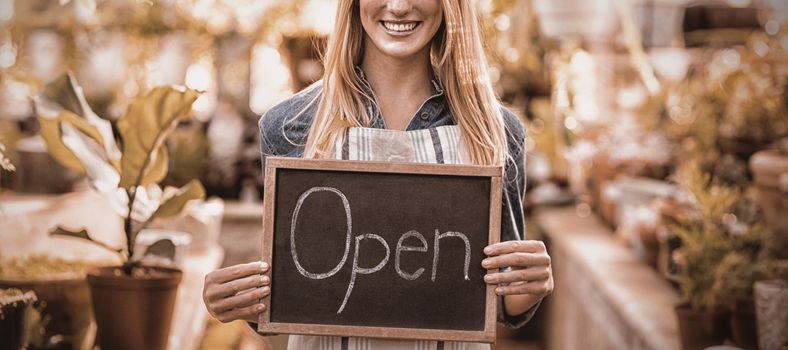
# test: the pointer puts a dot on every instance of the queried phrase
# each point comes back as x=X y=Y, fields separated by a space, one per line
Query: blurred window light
x=319 y=16
x=502 y=23
x=7 y=55
x=592 y=19
x=45 y=49
x=512 y=55
x=84 y=10
x=671 y=63
x=772 y=27
x=570 y=123
x=221 y=16
x=731 y=58
x=270 y=79
x=761 y=48
x=172 y=58
x=201 y=76
x=631 y=96
x=495 y=74
x=485 y=6
x=103 y=62
x=584 y=84
x=15 y=97
x=6 y=10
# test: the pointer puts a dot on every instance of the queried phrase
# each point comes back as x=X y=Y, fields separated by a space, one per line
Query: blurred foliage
x=722 y=242
x=740 y=269
x=735 y=104
x=515 y=48
x=128 y=176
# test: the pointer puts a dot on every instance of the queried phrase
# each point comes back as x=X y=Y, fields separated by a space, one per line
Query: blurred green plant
x=723 y=243
x=129 y=176
x=741 y=268
x=704 y=242
x=735 y=103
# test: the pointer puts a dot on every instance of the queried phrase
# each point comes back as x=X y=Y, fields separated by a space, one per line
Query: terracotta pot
x=743 y=330
x=14 y=324
x=771 y=310
x=133 y=312
x=768 y=168
x=702 y=329
x=66 y=303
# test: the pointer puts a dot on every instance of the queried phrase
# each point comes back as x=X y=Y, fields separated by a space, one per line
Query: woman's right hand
x=234 y=293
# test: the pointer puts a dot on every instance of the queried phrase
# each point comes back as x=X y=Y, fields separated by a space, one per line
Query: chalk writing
x=365 y=271
x=358 y=270
x=438 y=237
x=301 y=199
x=401 y=248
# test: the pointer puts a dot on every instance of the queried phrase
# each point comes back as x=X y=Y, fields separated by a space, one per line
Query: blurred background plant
x=705 y=239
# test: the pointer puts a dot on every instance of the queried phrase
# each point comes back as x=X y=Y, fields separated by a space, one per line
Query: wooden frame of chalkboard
x=274 y=165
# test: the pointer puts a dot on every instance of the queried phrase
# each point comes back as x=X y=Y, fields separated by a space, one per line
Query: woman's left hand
x=530 y=273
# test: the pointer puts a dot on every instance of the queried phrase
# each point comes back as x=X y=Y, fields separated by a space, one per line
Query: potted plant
x=703 y=320
x=15 y=306
x=748 y=262
x=735 y=278
x=63 y=294
x=133 y=302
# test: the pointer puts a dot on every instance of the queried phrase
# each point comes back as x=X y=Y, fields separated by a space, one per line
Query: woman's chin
x=401 y=50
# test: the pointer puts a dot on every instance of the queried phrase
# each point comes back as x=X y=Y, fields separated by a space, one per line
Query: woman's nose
x=399 y=7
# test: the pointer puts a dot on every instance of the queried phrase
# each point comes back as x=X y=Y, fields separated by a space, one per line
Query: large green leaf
x=174 y=204
x=63 y=100
x=145 y=127
x=50 y=131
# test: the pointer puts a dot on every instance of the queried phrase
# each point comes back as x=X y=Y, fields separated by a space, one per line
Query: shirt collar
x=365 y=83
x=432 y=106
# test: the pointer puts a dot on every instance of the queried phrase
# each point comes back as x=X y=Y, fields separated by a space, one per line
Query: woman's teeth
x=400 y=27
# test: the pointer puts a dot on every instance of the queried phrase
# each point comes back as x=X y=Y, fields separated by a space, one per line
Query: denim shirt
x=284 y=129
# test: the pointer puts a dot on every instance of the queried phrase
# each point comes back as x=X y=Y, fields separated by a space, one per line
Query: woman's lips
x=400 y=27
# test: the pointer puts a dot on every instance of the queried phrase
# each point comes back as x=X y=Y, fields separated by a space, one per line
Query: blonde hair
x=458 y=60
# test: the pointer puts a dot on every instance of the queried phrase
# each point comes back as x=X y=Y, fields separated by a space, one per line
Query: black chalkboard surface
x=388 y=250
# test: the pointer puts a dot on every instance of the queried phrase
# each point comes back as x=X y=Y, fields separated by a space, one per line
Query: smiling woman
x=417 y=69
x=402 y=29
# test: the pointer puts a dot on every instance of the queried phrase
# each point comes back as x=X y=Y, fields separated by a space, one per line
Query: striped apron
x=436 y=145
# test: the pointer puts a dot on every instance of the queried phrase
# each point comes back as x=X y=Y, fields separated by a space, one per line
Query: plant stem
x=128 y=228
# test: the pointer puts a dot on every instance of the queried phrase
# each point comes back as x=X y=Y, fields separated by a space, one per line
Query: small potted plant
x=703 y=319
x=133 y=302
x=15 y=307
x=735 y=279
x=748 y=262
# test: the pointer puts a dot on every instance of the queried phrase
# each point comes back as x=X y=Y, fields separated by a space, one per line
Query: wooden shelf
x=605 y=297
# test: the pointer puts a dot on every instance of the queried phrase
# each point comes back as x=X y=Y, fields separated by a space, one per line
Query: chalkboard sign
x=371 y=249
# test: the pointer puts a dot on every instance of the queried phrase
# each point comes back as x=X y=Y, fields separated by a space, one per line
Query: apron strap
x=345 y=343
